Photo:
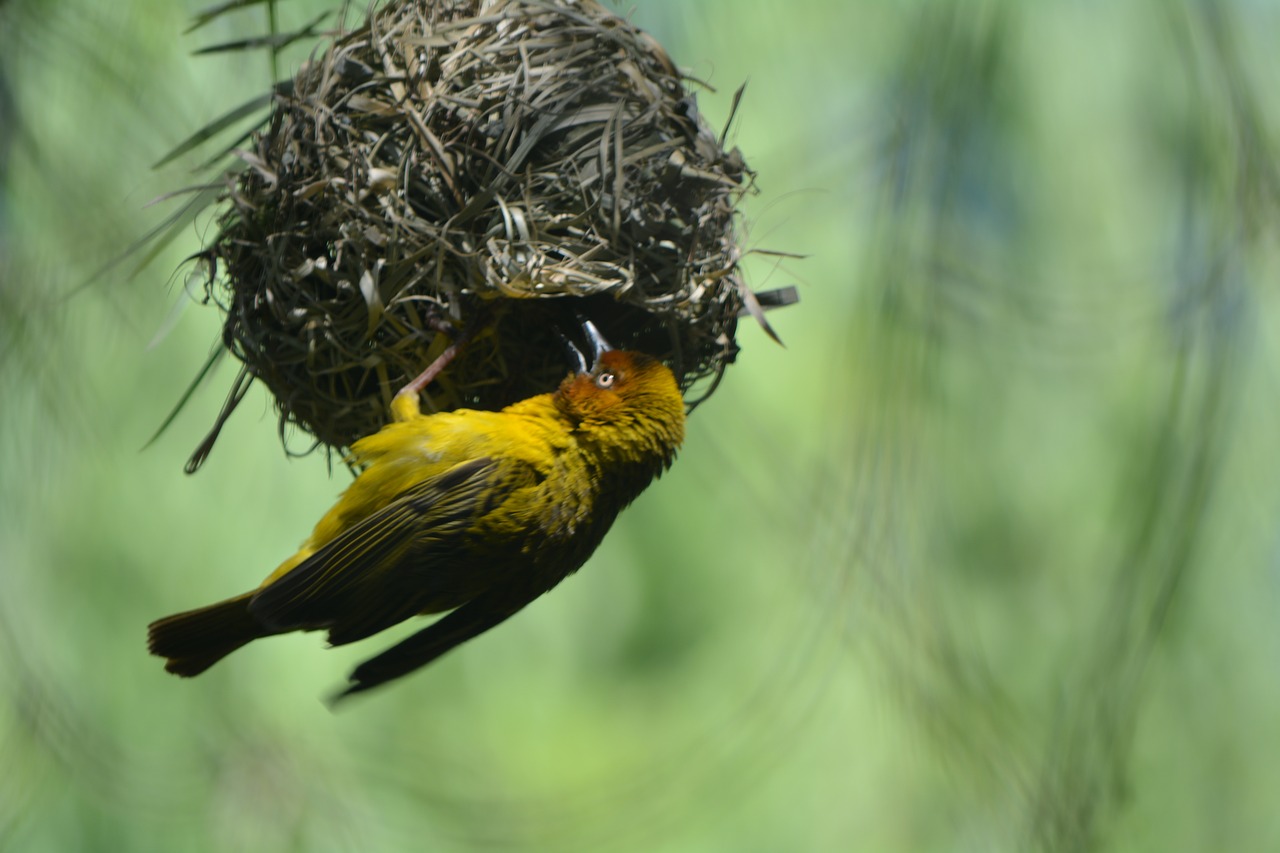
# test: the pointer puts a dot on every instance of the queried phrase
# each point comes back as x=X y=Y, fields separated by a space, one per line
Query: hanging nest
x=493 y=169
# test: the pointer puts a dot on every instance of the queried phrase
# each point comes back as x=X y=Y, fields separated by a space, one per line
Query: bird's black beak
x=599 y=346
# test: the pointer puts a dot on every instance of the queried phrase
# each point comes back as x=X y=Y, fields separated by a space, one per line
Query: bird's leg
x=405 y=405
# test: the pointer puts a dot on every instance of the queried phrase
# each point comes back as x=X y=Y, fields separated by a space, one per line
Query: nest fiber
x=499 y=169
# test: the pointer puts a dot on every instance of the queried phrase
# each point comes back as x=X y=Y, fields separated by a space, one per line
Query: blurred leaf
x=275 y=41
x=214 y=12
x=218 y=125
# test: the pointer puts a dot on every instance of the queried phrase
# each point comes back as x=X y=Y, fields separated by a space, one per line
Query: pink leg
x=405 y=404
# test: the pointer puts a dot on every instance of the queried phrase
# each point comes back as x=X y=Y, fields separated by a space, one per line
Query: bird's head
x=628 y=399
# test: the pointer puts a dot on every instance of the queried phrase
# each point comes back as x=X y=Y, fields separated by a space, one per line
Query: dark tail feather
x=197 y=639
x=469 y=620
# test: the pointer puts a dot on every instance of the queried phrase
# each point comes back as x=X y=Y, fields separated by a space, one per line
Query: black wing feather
x=468 y=621
x=385 y=568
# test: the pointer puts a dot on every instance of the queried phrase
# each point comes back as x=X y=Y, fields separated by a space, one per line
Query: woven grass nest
x=497 y=170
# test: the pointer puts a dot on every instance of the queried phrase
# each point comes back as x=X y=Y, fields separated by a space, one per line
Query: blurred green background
x=985 y=559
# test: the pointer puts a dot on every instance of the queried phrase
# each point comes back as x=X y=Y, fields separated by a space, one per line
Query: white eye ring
x=605 y=380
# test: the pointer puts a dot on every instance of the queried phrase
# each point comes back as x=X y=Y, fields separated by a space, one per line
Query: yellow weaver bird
x=473 y=512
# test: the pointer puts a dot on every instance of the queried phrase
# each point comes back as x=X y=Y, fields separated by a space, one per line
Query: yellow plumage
x=467 y=511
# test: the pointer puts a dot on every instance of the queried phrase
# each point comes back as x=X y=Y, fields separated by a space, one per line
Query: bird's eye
x=605 y=380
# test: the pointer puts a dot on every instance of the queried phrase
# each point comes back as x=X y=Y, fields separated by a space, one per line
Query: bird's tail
x=197 y=639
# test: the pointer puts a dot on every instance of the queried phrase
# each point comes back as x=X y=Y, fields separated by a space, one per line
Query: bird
x=469 y=513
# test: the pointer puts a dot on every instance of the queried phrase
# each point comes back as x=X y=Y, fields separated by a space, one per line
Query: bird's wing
x=468 y=621
x=393 y=563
